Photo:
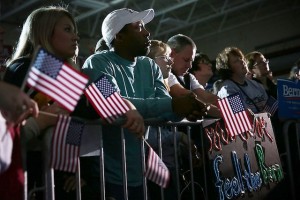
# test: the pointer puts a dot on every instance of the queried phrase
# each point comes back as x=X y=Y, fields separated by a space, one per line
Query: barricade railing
x=289 y=160
x=92 y=144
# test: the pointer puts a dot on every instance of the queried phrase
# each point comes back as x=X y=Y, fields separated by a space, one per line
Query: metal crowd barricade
x=92 y=144
x=287 y=134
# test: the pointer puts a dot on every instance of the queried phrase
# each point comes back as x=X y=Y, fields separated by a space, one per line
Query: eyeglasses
x=166 y=58
x=261 y=63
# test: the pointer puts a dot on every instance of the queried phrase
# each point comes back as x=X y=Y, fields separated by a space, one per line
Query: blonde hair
x=158 y=48
x=38 y=29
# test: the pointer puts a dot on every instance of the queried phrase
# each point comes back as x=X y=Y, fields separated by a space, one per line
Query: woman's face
x=164 y=62
x=64 y=40
x=260 y=66
x=204 y=69
x=237 y=65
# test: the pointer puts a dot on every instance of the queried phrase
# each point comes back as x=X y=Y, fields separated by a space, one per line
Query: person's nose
x=146 y=32
x=170 y=62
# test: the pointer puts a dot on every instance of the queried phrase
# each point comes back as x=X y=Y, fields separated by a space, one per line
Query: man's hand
x=134 y=121
x=190 y=107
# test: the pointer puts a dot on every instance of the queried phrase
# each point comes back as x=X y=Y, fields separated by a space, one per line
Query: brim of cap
x=146 y=16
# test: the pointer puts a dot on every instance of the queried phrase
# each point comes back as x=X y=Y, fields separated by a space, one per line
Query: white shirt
x=172 y=80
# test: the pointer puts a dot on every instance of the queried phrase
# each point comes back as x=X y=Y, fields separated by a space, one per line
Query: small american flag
x=105 y=99
x=66 y=141
x=56 y=79
x=157 y=171
x=271 y=105
x=234 y=114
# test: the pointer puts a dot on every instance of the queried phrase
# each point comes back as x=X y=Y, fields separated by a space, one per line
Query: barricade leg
x=288 y=156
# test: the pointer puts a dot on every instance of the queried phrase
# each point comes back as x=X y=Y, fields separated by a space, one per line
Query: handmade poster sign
x=245 y=166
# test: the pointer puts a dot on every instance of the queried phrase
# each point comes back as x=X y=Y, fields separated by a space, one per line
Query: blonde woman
x=54 y=29
x=160 y=52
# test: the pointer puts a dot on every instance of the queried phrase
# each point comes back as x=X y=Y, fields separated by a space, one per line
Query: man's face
x=183 y=60
x=136 y=39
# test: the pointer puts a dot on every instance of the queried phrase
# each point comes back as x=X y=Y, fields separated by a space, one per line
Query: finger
x=208 y=107
x=141 y=131
x=23 y=116
x=34 y=108
x=199 y=114
x=17 y=114
x=191 y=118
x=137 y=127
x=134 y=126
x=192 y=95
x=129 y=123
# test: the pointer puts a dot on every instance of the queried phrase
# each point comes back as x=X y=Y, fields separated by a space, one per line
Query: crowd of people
x=164 y=80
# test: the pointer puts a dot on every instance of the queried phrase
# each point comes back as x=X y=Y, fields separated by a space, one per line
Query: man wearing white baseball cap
x=140 y=83
x=116 y=20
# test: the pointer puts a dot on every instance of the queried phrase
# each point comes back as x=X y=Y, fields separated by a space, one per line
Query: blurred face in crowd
x=237 y=64
x=204 y=69
x=164 y=62
x=183 y=60
x=260 y=66
x=64 y=40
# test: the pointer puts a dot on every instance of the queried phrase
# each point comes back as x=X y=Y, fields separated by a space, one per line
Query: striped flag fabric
x=66 y=140
x=105 y=99
x=234 y=114
x=156 y=170
x=56 y=79
x=271 y=105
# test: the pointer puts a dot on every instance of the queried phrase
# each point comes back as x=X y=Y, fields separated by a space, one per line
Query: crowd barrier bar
x=49 y=187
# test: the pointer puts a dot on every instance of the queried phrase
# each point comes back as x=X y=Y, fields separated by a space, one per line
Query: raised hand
x=15 y=105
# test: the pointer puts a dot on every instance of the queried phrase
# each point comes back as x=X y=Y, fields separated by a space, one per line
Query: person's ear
x=173 y=53
x=118 y=37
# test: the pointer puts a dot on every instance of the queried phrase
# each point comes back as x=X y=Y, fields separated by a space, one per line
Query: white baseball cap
x=117 y=19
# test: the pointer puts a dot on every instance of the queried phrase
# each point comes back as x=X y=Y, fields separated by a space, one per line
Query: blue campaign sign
x=288 y=99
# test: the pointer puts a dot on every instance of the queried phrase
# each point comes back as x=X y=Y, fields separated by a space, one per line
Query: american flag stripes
x=66 y=141
x=156 y=170
x=105 y=99
x=234 y=114
x=271 y=105
x=56 y=79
